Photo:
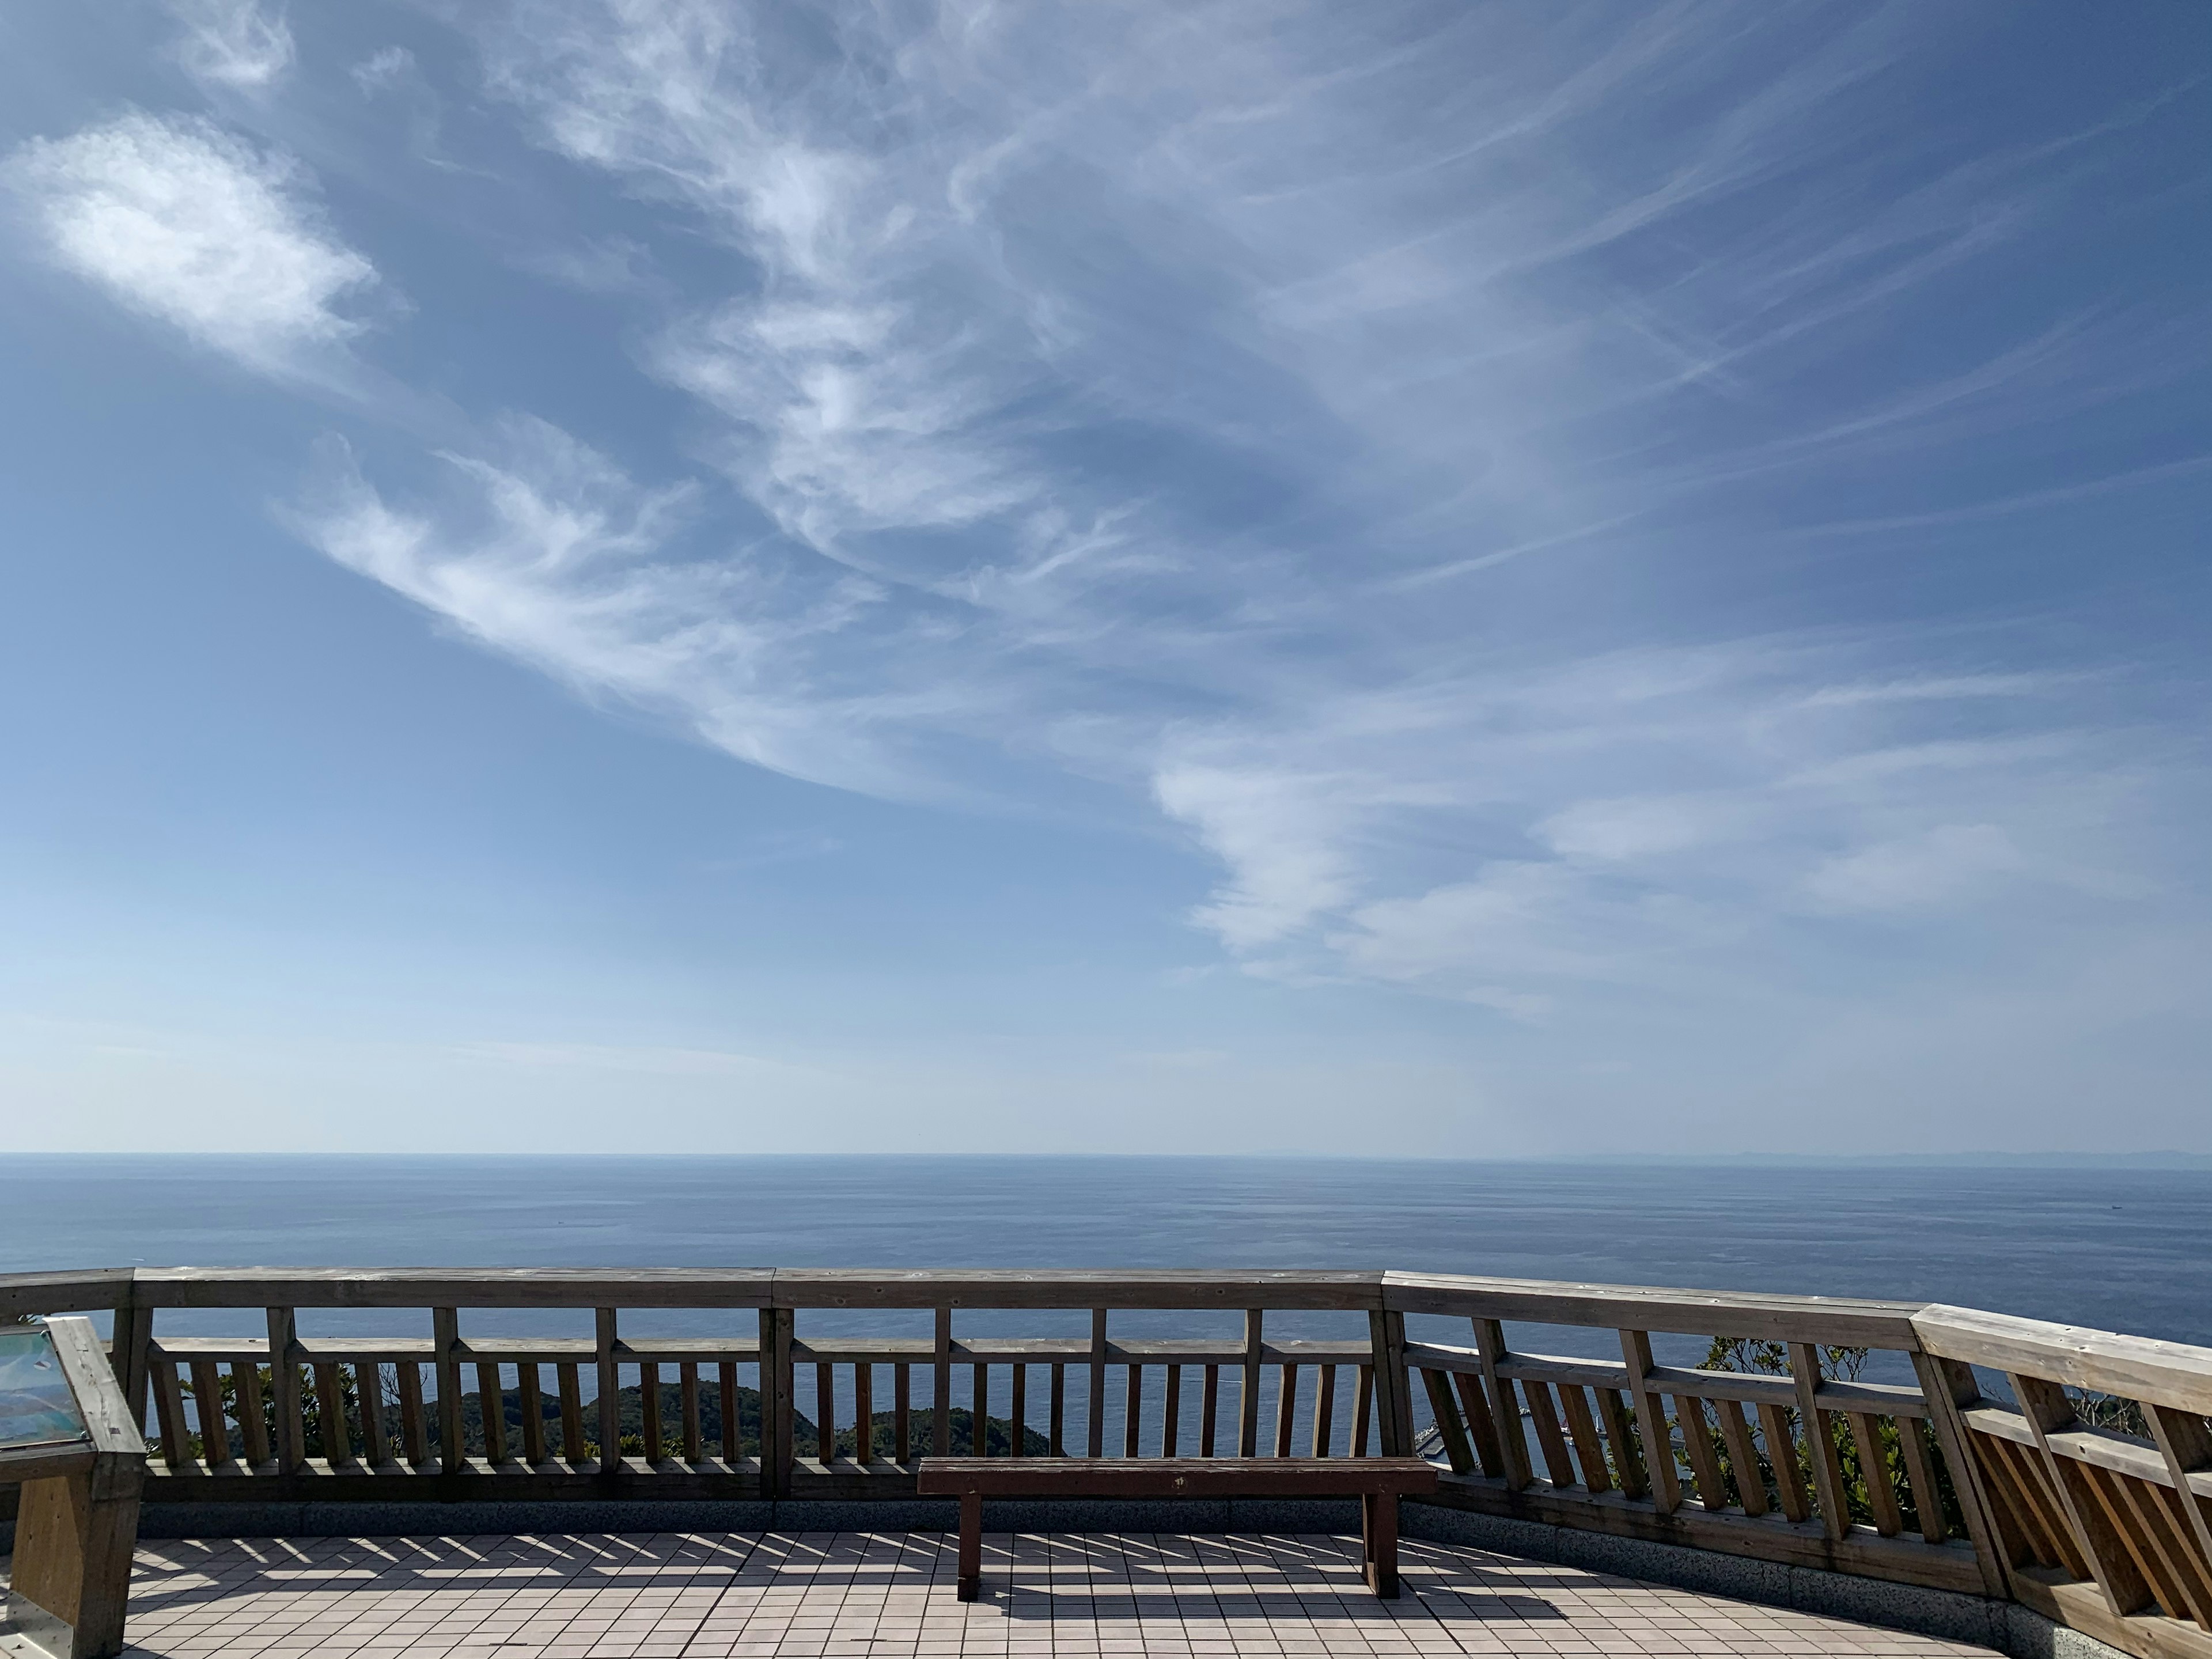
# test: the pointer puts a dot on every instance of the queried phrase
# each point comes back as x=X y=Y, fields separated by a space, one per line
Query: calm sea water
x=2125 y=1249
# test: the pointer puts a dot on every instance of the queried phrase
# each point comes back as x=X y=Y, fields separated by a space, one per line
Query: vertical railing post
x=445 y=1353
x=126 y=1350
x=1376 y=1378
x=1248 y=1398
x=1097 y=1381
x=1402 y=1381
x=941 y=1388
x=284 y=1390
x=776 y=1325
x=605 y=1332
x=1948 y=1386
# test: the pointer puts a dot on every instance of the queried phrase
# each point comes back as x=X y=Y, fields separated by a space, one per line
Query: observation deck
x=701 y=1461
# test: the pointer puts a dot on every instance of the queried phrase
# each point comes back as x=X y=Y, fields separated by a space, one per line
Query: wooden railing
x=1779 y=1444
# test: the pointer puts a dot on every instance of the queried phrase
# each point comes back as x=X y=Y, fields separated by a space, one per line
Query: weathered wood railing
x=1774 y=1447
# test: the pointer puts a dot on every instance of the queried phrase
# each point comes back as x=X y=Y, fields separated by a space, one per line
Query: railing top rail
x=2139 y=1367
x=2168 y=1373
x=1076 y=1287
x=1828 y=1319
x=460 y=1287
x=63 y=1292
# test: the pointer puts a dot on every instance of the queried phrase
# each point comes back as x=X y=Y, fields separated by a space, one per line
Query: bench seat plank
x=1377 y=1482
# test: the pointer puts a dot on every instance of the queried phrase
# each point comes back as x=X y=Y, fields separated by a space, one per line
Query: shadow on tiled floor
x=890 y=1594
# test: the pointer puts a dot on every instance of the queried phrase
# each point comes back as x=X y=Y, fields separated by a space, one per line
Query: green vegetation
x=1836 y=1363
x=998 y=1430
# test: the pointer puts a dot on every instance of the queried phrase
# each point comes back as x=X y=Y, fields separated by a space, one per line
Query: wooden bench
x=1377 y=1482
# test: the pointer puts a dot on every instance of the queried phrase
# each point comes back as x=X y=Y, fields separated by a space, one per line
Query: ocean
x=2121 y=1247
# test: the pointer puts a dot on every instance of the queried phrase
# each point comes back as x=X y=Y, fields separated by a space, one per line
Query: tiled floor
x=867 y=1596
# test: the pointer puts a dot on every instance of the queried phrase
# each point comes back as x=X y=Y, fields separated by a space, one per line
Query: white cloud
x=1334 y=430
x=551 y=555
x=235 y=43
x=1935 y=867
x=1283 y=838
x=182 y=221
x=383 y=69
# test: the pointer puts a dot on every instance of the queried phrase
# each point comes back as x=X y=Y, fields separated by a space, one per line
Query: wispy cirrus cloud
x=179 y=221
x=237 y=45
x=1362 y=438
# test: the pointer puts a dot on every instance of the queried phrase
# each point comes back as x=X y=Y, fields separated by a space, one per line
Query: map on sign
x=36 y=1406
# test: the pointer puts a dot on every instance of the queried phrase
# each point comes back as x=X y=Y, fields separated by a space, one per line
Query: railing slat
x=825 y=1414
x=1920 y=1475
x=1743 y=1456
x=2103 y=1547
x=1589 y=1453
x=2195 y=1566
x=1628 y=1469
x=207 y=1405
x=864 y=1415
x=1171 y=1413
x=252 y=1423
x=1505 y=1406
x=1363 y=1409
x=1697 y=1448
x=1457 y=1452
x=368 y=1390
x=1324 y=1422
x=1058 y=1409
x=491 y=1410
x=1782 y=1454
x=732 y=1440
x=1820 y=1442
x=1018 y=1412
x=1286 y=1406
x=902 y=1412
x=1542 y=1414
x=568 y=1378
x=2186 y=1443
x=2149 y=1531
x=1481 y=1427
x=649 y=1402
x=1209 y=1410
x=979 y=1414
x=2045 y=1539
x=330 y=1415
x=169 y=1411
x=1873 y=1474
x=687 y=1377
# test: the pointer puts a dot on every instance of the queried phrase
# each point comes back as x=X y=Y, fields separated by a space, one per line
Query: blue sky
x=1459 y=580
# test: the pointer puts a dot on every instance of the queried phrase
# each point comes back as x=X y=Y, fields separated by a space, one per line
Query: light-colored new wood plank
x=2137 y=1367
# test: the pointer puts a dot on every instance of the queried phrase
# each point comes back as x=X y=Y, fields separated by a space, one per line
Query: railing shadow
x=1113 y=1578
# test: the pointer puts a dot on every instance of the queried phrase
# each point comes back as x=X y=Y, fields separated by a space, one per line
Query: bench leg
x=971 y=1545
x=1381 y=1544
